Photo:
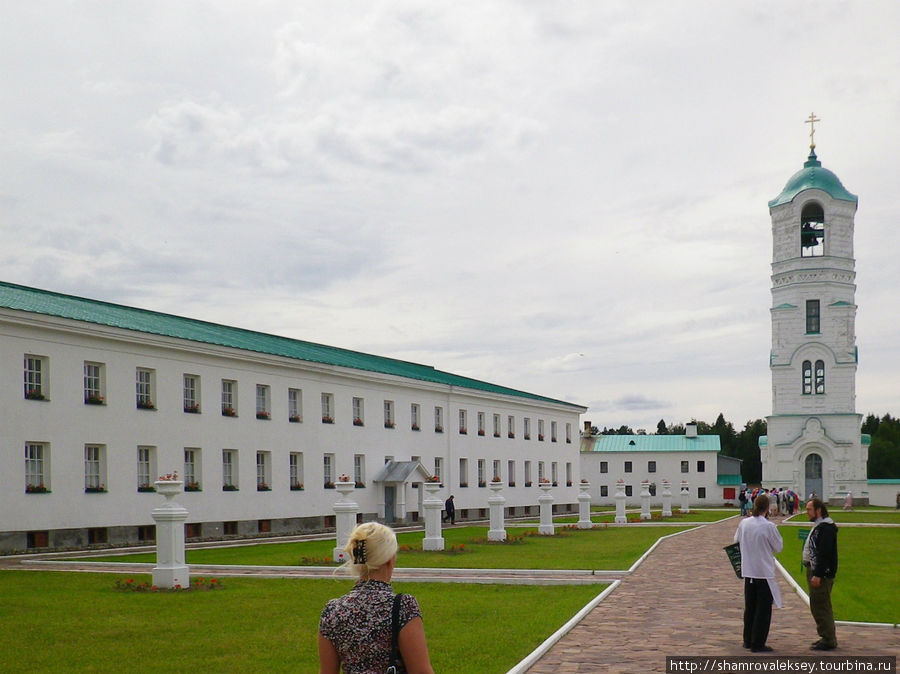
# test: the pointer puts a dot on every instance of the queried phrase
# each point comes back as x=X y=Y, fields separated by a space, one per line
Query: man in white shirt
x=760 y=541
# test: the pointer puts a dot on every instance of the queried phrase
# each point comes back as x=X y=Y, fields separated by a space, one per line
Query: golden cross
x=812 y=129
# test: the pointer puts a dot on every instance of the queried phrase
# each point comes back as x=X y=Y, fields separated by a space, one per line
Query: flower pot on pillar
x=584 y=505
x=345 y=510
x=620 y=502
x=545 y=501
x=666 y=498
x=645 y=499
x=496 y=501
x=170 y=570
x=434 y=539
x=685 y=497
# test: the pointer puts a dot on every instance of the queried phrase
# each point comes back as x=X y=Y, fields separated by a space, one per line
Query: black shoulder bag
x=395 y=636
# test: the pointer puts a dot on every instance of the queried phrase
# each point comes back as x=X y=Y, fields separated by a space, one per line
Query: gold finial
x=812 y=129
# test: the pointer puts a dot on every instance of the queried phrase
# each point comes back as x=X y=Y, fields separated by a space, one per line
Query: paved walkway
x=684 y=600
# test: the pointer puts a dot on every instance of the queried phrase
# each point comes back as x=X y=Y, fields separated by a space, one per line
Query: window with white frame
x=540 y=430
x=295 y=405
x=263 y=471
x=526 y=428
x=568 y=433
x=651 y=466
x=143 y=385
x=229 y=470
x=191 y=393
x=554 y=473
x=263 y=401
x=327 y=408
x=463 y=422
x=463 y=472
x=93 y=383
x=552 y=431
x=481 y=423
x=604 y=490
x=568 y=474
x=628 y=466
x=359 y=470
x=389 y=414
x=146 y=468
x=37 y=475
x=684 y=467
x=701 y=492
x=604 y=466
x=439 y=467
x=94 y=469
x=481 y=480
x=358 y=411
x=496 y=425
x=511 y=473
x=35 y=380
x=540 y=471
x=510 y=426
x=328 y=469
x=191 y=469
x=296 y=470
x=438 y=419
x=528 y=473
x=414 y=417
x=701 y=466
x=496 y=470
x=229 y=398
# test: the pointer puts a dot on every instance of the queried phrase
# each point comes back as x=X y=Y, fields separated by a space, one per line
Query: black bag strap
x=395 y=635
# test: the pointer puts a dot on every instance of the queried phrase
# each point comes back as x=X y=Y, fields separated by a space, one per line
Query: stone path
x=685 y=600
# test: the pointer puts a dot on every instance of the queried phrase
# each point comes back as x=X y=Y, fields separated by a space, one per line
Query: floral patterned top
x=359 y=626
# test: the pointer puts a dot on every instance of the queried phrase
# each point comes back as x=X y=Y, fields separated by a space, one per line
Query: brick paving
x=685 y=600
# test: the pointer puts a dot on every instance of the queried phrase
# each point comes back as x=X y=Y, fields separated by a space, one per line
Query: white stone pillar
x=345 y=510
x=666 y=498
x=496 y=501
x=434 y=539
x=620 y=502
x=645 y=499
x=170 y=570
x=545 y=501
x=584 y=505
x=685 y=497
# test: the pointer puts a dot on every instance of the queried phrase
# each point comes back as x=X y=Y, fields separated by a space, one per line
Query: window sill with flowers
x=327 y=420
x=297 y=486
x=265 y=416
x=229 y=412
x=36 y=489
x=192 y=409
x=388 y=424
x=192 y=486
x=229 y=487
x=145 y=405
x=356 y=422
x=95 y=490
x=93 y=400
x=34 y=394
x=295 y=419
x=262 y=486
x=146 y=488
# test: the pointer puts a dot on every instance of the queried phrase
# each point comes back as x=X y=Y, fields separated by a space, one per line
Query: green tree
x=661 y=428
x=884 y=452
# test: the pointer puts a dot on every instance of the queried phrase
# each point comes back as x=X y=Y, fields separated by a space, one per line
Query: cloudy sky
x=568 y=198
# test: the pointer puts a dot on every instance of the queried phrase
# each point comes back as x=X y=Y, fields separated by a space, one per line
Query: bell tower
x=814 y=442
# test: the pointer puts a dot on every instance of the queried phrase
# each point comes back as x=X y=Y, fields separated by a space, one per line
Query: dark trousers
x=820 y=607
x=757 y=611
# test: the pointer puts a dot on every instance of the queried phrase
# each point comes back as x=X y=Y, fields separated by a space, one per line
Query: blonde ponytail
x=370 y=546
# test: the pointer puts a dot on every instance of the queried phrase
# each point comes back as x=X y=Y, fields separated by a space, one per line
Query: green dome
x=812 y=177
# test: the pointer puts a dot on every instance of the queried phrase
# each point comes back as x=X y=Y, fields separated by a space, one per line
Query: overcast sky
x=568 y=198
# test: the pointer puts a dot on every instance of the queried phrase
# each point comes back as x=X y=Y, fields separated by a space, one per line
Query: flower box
x=481 y=432
x=93 y=400
x=528 y=483
x=294 y=419
x=34 y=394
x=540 y=438
x=262 y=486
x=388 y=424
x=192 y=409
x=145 y=405
x=297 y=487
x=511 y=436
x=265 y=416
x=511 y=484
x=433 y=479
x=329 y=485
x=192 y=486
x=463 y=431
x=229 y=412
x=496 y=435
x=415 y=427
x=95 y=490
x=527 y=436
x=327 y=420
x=463 y=484
x=229 y=487
x=36 y=489
x=360 y=485
x=438 y=429
x=146 y=488
x=356 y=422
x=568 y=483
x=482 y=483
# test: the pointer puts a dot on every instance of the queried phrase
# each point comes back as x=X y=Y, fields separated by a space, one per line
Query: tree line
x=884 y=451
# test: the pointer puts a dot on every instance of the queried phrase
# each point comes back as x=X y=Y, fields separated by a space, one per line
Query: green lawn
x=54 y=621
x=866 y=588
x=610 y=548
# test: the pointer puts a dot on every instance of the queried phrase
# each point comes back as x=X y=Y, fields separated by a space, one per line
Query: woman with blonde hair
x=356 y=630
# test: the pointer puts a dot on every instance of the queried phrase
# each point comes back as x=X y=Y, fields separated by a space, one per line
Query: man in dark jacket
x=820 y=557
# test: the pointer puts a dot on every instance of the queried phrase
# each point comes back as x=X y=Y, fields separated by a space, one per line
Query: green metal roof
x=33 y=300
x=656 y=443
x=813 y=177
x=883 y=480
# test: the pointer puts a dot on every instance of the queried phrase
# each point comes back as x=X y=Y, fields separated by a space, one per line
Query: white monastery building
x=98 y=400
x=712 y=479
x=814 y=444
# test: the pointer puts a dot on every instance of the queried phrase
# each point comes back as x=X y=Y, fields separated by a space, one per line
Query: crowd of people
x=781 y=502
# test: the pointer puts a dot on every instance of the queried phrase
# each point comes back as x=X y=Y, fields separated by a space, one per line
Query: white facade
x=83 y=466
x=814 y=442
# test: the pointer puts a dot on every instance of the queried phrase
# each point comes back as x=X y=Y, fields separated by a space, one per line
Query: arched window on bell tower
x=820 y=377
x=807 y=378
x=812 y=230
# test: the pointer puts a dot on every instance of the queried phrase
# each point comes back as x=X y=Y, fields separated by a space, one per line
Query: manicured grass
x=53 y=621
x=610 y=548
x=868 y=516
x=866 y=587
